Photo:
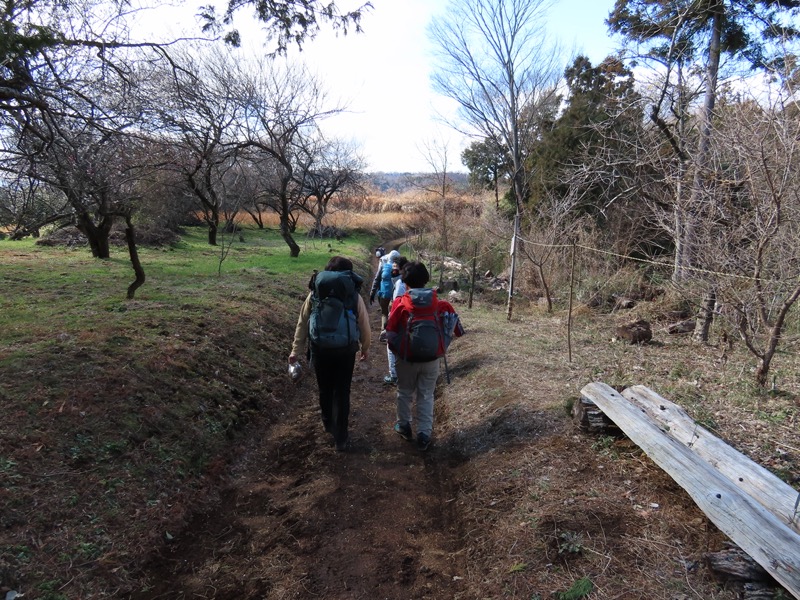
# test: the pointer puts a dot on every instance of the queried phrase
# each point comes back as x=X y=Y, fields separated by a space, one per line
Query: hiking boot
x=382 y=337
x=389 y=380
x=342 y=446
x=423 y=441
x=404 y=431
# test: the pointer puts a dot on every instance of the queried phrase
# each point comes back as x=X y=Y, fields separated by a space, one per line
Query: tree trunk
x=211 y=217
x=318 y=217
x=256 y=216
x=97 y=235
x=680 y=273
x=294 y=249
x=775 y=337
x=286 y=234
x=510 y=307
x=545 y=288
x=474 y=272
x=701 y=160
x=130 y=237
x=706 y=317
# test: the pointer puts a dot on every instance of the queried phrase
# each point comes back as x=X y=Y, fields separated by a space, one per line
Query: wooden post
x=474 y=270
x=513 y=266
x=569 y=313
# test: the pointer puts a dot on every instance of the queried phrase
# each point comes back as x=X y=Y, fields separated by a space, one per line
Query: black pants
x=334 y=374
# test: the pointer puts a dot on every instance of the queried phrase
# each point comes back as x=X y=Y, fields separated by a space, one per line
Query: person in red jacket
x=419 y=329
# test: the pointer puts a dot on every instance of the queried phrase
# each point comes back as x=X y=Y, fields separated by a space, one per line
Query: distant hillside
x=401 y=182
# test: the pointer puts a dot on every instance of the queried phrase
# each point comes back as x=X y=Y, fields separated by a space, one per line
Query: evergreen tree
x=602 y=110
x=489 y=164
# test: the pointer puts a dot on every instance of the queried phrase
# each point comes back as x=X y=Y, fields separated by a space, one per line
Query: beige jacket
x=301 y=331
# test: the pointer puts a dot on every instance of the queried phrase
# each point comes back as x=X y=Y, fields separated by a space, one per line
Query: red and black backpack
x=423 y=338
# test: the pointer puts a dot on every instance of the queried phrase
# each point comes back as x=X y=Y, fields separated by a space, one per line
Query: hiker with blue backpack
x=398 y=289
x=419 y=330
x=382 y=287
x=334 y=322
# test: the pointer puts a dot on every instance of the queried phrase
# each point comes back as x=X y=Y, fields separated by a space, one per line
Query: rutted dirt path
x=300 y=520
x=510 y=501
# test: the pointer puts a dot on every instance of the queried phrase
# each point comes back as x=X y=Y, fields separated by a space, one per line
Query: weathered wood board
x=768 y=489
x=769 y=541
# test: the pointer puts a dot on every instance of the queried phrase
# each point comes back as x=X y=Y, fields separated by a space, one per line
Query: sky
x=383 y=76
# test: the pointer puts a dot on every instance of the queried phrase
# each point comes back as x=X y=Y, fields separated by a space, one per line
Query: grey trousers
x=419 y=378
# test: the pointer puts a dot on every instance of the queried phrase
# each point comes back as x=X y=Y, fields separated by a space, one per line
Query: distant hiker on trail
x=382 y=287
x=419 y=330
x=398 y=289
x=334 y=321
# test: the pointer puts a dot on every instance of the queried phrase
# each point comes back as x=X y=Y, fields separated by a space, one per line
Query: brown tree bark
x=130 y=237
x=97 y=235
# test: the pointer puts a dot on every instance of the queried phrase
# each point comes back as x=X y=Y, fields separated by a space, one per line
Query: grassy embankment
x=118 y=415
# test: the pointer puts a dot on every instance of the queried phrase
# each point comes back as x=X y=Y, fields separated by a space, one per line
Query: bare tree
x=283 y=105
x=495 y=60
x=554 y=226
x=329 y=169
x=72 y=141
x=751 y=236
x=439 y=184
x=194 y=116
x=27 y=204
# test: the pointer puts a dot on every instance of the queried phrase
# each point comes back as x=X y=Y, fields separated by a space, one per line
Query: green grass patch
x=117 y=413
x=580 y=589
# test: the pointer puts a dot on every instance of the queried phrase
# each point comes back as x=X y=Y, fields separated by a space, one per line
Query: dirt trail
x=300 y=520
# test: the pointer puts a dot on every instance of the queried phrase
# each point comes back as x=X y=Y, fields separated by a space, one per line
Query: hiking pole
x=446 y=370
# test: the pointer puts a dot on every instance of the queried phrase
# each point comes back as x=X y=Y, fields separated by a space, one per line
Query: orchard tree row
x=99 y=127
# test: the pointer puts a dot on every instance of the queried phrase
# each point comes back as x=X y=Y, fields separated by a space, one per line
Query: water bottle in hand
x=295 y=372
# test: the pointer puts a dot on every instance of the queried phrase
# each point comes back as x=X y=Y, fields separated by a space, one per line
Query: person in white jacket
x=399 y=288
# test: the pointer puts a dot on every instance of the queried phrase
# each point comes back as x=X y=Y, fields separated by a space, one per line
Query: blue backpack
x=387 y=284
x=333 y=324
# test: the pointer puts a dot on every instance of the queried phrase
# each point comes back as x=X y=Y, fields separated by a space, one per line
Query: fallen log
x=760 y=591
x=590 y=418
x=762 y=535
x=733 y=563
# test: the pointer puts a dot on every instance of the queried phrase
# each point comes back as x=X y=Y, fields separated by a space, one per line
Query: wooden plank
x=752 y=527
x=766 y=488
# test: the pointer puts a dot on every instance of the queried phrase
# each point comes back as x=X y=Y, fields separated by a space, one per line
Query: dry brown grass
x=409 y=211
x=543 y=505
